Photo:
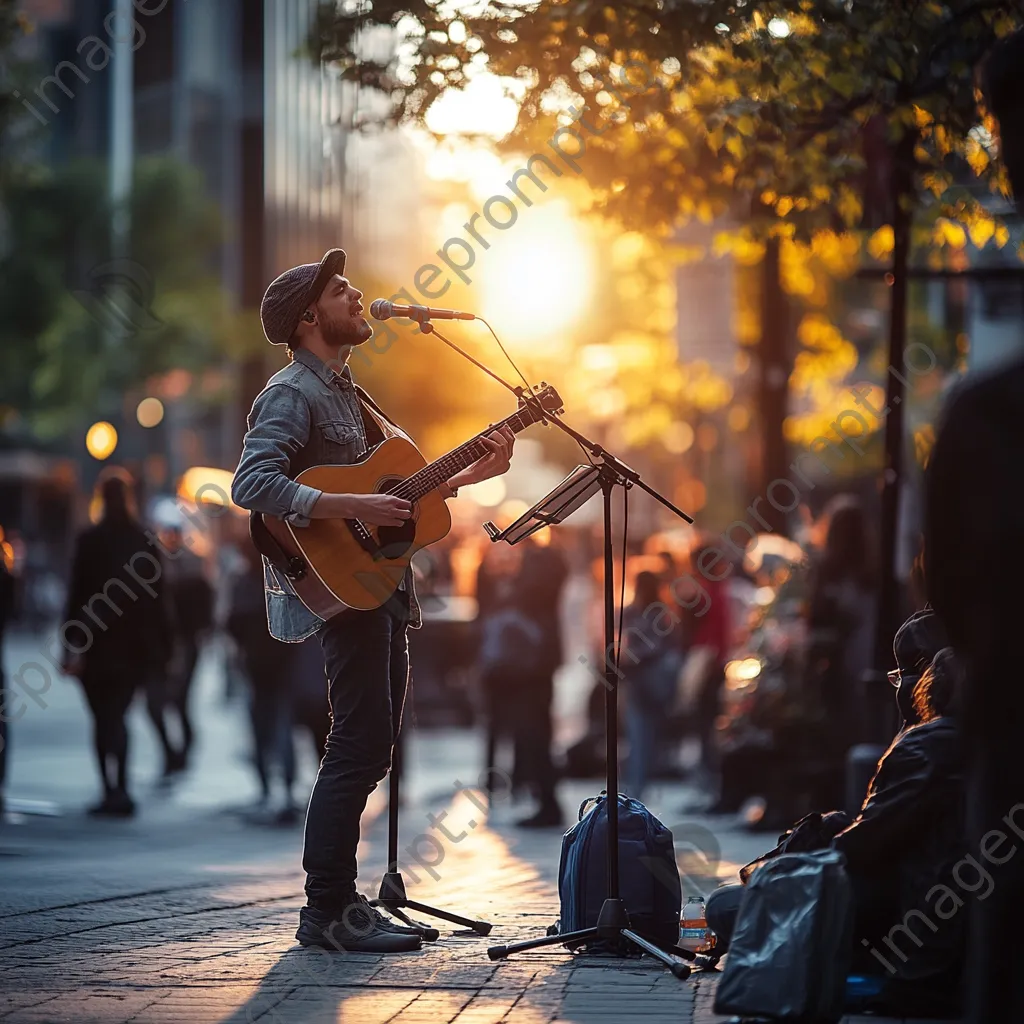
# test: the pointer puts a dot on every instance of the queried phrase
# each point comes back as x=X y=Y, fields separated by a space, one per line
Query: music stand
x=575 y=490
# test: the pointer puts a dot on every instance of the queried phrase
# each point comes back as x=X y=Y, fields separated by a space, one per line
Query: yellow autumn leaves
x=972 y=223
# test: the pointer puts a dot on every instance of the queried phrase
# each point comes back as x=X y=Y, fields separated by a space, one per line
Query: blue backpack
x=648 y=873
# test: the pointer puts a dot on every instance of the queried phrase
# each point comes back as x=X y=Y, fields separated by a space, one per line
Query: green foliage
x=13 y=27
x=78 y=332
x=709 y=107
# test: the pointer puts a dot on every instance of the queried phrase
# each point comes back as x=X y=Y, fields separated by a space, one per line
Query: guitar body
x=344 y=563
x=342 y=573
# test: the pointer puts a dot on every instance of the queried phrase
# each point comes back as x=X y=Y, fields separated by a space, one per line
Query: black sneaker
x=385 y=922
x=358 y=928
x=115 y=804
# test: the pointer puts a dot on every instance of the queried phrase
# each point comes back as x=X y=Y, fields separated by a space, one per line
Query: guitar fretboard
x=431 y=477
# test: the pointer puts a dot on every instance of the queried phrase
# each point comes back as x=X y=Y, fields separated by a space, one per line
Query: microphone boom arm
x=429 y=328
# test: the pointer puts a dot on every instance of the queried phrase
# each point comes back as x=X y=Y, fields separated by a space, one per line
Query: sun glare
x=537 y=280
x=481 y=169
x=481 y=108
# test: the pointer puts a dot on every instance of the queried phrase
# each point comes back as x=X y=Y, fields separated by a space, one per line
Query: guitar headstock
x=546 y=397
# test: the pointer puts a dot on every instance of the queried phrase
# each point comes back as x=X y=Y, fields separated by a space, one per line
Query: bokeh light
x=207 y=485
x=150 y=412
x=101 y=440
x=511 y=510
x=738 y=419
x=489 y=493
x=691 y=495
x=678 y=438
x=707 y=437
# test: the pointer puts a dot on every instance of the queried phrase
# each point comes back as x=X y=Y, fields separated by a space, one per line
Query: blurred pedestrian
x=669 y=569
x=651 y=660
x=708 y=626
x=116 y=630
x=310 y=711
x=508 y=641
x=841 y=620
x=6 y=615
x=191 y=599
x=495 y=583
x=974 y=567
x=267 y=663
x=540 y=583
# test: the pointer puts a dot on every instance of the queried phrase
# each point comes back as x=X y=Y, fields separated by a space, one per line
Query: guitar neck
x=443 y=469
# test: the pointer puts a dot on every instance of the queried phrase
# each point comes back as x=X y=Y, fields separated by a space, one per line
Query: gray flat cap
x=291 y=293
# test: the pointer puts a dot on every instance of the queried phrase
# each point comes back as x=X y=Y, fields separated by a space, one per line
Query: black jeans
x=109 y=689
x=532 y=723
x=271 y=718
x=367 y=661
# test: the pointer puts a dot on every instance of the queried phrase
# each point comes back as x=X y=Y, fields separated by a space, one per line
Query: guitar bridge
x=364 y=539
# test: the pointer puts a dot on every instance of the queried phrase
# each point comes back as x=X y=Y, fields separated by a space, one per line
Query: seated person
x=905 y=841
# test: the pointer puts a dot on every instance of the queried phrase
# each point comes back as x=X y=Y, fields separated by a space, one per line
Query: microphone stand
x=613 y=920
x=392 y=894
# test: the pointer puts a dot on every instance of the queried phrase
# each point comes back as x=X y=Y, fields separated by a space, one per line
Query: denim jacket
x=307 y=415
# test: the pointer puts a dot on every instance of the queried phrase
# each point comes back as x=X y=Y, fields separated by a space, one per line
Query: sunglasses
x=894 y=676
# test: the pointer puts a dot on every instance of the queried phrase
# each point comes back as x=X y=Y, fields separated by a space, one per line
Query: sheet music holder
x=575 y=490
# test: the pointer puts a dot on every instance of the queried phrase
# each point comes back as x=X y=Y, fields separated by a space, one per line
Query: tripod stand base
x=393 y=899
x=700 y=961
x=612 y=926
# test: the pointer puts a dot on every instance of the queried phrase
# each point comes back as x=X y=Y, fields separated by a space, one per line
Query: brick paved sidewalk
x=215 y=943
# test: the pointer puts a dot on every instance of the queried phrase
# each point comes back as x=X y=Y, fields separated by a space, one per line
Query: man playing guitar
x=311 y=414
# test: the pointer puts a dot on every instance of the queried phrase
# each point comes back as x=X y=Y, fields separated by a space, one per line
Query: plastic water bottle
x=694 y=933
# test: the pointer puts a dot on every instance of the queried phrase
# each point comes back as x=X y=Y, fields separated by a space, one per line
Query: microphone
x=384 y=309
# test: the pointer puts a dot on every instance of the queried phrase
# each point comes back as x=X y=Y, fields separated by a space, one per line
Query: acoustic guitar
x=336 y=564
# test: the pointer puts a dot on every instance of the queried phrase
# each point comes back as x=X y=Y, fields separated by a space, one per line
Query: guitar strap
x=288 y=565
x=376 y=423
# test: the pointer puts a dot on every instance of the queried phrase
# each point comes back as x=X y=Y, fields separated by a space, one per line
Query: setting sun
x=538 y=279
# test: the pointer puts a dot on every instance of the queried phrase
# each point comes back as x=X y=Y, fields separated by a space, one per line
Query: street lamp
x=101 y=440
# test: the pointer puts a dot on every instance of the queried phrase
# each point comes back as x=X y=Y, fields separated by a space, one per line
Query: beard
x=348 y=331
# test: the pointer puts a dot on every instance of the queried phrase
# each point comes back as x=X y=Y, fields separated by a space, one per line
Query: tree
x=709 y=102
x=60 y=293
x=790 y=117
x=14 y=26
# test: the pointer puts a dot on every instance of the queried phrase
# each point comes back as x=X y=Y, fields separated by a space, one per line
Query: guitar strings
x=427 y=479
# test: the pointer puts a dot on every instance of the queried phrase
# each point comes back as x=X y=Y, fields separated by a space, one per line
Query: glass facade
x=304 y=142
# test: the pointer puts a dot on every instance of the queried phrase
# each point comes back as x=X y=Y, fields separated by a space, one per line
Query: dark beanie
x=293 y=292
x=918 y=640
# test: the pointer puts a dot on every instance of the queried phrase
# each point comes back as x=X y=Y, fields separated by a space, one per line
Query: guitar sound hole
x=395 y=541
